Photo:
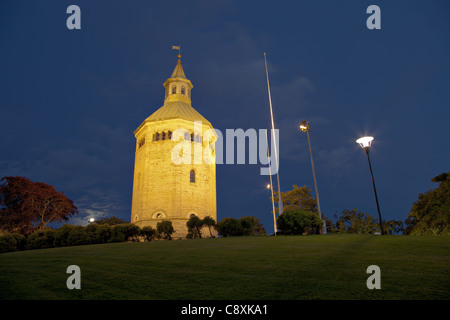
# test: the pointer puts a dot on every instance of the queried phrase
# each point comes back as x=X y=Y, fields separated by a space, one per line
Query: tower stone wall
x=164 y=189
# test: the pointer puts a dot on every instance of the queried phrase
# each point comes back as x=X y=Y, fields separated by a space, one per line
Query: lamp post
x=304 y=127
x=365 y=143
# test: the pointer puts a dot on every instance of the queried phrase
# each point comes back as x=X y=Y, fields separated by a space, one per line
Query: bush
x=77 y=236
x=41 y=239
x=97 y=233
x=252 y=226
x=61 y=235
x=165 y=229
x=194 y=226
x=12 y=242
x=299 y=222
x=148 y=233
x=229 y=227
x=124 y=232
x=210 y=223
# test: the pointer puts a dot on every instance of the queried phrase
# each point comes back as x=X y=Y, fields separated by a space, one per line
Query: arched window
x=174 y=89
x=157 y=137
x=192 y=215
x=163 y=136
x=169 y=135
x=159 y=216
x=183 y=90
x=192 y=176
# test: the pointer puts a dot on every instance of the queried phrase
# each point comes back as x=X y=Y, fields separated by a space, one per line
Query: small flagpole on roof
x=179 y=50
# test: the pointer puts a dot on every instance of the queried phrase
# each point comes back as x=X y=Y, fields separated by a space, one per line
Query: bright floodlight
x=91 y=220
x=303 y=126
x=365 y=142
x=268 y=186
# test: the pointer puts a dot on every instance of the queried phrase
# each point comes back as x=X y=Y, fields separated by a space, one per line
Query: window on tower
x=183 y=90
x=163 y=136
x=174 y=89
x=169 y=135
x=192 y=176
x=141 y=143
x=157 y=136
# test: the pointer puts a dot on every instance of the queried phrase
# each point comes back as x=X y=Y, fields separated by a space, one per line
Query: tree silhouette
x=26 y=206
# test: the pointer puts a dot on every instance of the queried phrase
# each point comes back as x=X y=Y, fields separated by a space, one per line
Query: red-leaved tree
x=26 y=206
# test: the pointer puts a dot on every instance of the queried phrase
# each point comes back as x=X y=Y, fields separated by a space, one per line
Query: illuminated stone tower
x=175 y=171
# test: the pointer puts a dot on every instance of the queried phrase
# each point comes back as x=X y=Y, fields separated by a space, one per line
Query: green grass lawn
x=250 y=268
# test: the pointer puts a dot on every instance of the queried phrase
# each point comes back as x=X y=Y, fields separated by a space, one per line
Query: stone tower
x=175 y=171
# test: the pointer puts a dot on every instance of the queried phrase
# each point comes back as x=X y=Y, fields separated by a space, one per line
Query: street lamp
x=91 y=220
x=304 y=127
x=365 y=143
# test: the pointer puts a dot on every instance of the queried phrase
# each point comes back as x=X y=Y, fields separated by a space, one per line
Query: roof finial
x=179 y=50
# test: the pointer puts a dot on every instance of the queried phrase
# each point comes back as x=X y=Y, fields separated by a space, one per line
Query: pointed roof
x=176 y=106
x=178 y=72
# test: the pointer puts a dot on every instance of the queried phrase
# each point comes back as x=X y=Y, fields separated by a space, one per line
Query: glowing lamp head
x=304 y=126
x=268 y=186
x=91 y=220
x=365 y=142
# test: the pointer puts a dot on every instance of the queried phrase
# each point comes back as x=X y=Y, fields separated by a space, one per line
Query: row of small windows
x=159 y=136
x=162 y=136
x=168 y=136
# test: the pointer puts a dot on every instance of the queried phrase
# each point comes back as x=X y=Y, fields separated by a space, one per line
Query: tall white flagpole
x=280 y=202
x=275 y=230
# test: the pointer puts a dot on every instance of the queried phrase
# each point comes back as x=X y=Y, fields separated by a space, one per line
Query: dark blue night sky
x=71 y=99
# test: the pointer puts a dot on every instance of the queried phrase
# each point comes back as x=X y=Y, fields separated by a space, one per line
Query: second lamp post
x=304 y=126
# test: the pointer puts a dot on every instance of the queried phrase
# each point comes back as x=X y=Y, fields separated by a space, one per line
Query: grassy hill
x=283 y=267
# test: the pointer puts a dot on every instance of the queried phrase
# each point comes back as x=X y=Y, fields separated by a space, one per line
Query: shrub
x=21 y=241
x=210 y=223
x=229 y=227
x=194 y=226
x=148 y=233
x=12 y=242
x=41 y=239
x=165 y=229
x=97 y=233
x=77 y=236
x=61 y=235
x=252 y=226
x=299 y=222
x=124 y=232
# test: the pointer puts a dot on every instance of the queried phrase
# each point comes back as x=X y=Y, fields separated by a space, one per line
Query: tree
x=165 y=229
x=430 y=214
x=299 y=222
x=195 y=225
x=26 y=206
x=355 y=221
x=297 y=198
x=210 y=223
x=229 y=227
x=252 y=226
